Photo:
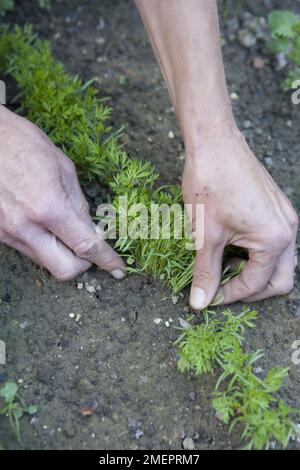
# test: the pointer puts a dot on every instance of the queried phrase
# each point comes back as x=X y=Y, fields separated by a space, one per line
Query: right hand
x=43 y=212
x=245 y=208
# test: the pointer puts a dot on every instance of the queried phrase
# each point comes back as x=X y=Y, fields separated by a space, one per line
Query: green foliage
x=59 y=103
x=240 y=396
x=202 y=347
x=6 y=5
x=45 y=4
x=284 y=26
x=75 y=119
x=14 y=406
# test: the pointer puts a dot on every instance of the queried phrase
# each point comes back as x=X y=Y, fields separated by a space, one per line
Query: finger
x=81 y=238
x=44 y=249
x=282 y=281
x=79 y=202
x=207 y=274
x=19 y=246
x=251 y=281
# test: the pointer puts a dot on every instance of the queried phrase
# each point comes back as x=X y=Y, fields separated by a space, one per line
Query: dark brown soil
x=116 y=358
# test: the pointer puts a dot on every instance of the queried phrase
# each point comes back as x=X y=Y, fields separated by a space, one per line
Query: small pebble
x=183 y=323
x=72 y=315
x=100 y=41
x=234 y=96
x=246 y=38
x=79 y=286
x=258 y=63
x=157 y=321
x=268 y=161
x=171 y=135
x=188 y=443
x=91 y=289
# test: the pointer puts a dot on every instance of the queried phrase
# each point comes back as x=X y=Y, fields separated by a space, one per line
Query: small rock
x=281 y=61
x=138 y=434
x=101 y=59
x=85 y=386
x=56 y=36
x=101 y=24
x=78 y=316
x=135 y=427
x=234 y=96
x=258 y=63
x=72 y=315
x=100 y=41
x=157 y=321
x=246 y=38
x=247 y=124
x=79 y=285
x=188 y=443
x=171 y=135
x=91 y=289
x=268 y=161
x=183 y=323
x=89 y=408
x=174 y=299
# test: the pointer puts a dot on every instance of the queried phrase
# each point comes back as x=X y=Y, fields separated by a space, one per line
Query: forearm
x=186 y=39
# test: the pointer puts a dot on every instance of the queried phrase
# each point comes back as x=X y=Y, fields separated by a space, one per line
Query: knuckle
x=64 y=273
x=69 y=166
x=285 y=286
x=247 y=287
x=84 y=208
x=15 y=229
x=47 y=210
x=88 y=248
x=279 y=239
x=294 y=220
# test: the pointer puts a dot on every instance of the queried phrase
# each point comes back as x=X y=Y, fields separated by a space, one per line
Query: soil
x=115 y=359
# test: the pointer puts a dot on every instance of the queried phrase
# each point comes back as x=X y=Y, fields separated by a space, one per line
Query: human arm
x=243 y=206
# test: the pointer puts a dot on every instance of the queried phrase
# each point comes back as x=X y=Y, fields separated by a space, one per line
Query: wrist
x=209 y=131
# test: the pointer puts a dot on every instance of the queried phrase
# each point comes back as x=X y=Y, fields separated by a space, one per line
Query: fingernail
x=197 y=298
x=117 y=273
x=218 y=299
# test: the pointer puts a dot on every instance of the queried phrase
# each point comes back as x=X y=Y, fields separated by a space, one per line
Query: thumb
x=206 y=277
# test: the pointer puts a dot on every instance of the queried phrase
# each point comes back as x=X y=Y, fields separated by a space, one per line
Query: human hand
x=43 y=212
x=243 y=207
